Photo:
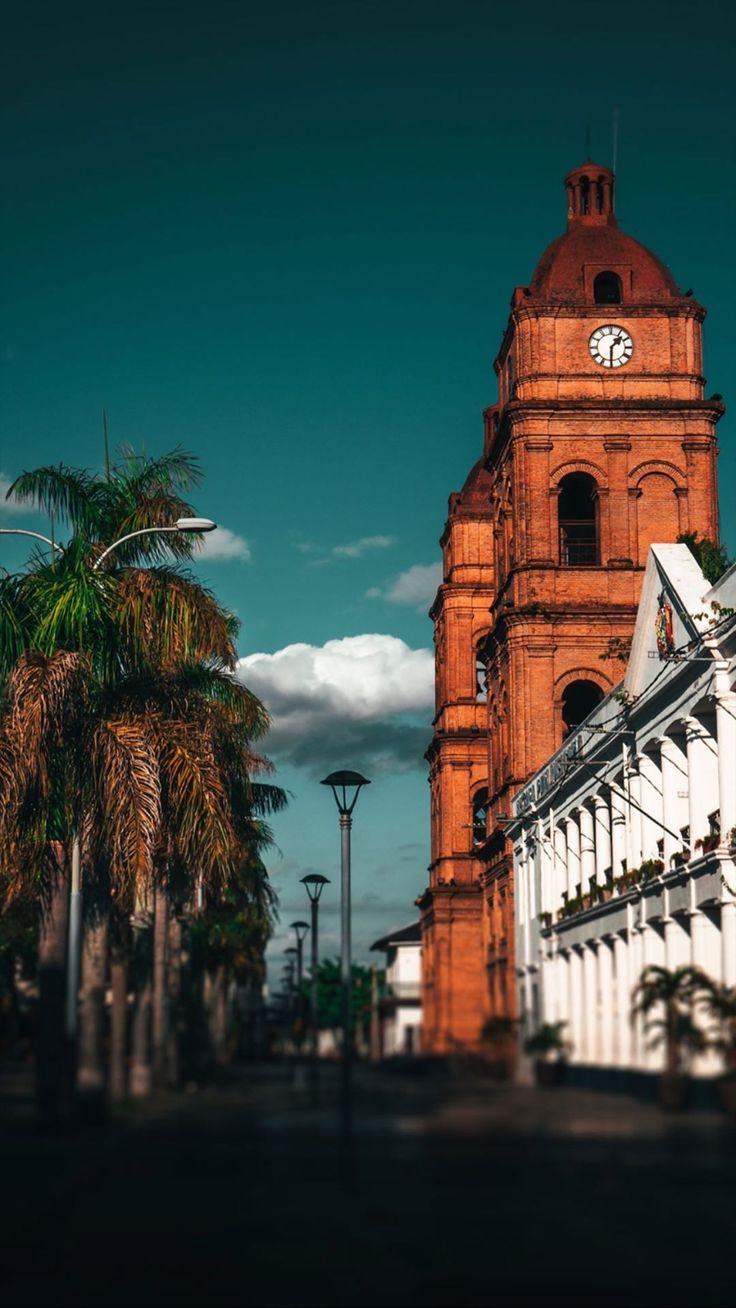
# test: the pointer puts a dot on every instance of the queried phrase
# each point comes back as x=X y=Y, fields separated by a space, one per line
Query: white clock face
x=611 y=347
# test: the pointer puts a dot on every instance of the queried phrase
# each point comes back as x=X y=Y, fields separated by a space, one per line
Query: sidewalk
x=460 y=1194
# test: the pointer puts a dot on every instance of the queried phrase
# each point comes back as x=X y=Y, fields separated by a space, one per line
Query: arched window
x=607 y=288
x=578 y=520
x=599 y=195
x=480 y=816
x=578 y=700
x=481 y=673
x=584 y=194
x=510 y=377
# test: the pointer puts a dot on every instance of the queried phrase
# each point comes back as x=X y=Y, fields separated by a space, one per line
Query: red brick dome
x=594 y=248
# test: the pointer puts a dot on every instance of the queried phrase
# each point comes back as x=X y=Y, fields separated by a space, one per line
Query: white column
x=728 y=942
x=575 y=1004
x=606 y=1002
x=673 y=781
x=560 y=867
x=726 y=733
x=546 y=874
x=623 y=1000
x=676 y=943
x=650 y=798
x=602 y=839
x=705 y=938
x=619 y=849
x=590 y=1006
x=702 y=794
x=633 y=844
x=572 y=834
x=636 y=965
x=587 y=847
x=653 y=955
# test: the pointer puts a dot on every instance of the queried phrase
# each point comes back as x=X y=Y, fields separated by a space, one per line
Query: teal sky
x=285 y=235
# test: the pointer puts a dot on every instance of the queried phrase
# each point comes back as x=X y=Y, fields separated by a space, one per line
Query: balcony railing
x=578 y=546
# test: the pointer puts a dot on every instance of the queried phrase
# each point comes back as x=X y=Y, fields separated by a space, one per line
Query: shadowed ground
x=462 y=1193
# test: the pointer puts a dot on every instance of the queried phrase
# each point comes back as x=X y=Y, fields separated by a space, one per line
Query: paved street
x=462 y=1193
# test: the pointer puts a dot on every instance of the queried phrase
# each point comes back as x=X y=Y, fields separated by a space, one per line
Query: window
x=481 y=674
x=607 y=288
x=480 y=816
x=510 y=377
x=578 y=520
x=584 y=194
x=578 y=700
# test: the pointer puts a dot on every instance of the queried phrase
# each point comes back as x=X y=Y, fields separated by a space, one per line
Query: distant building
x=624 y=840
x=602 y=441
x=400 y=1005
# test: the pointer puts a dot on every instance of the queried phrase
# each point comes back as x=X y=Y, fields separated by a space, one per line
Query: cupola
x=590 y=195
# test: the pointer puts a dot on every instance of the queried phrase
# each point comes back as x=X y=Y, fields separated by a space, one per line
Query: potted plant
x=545 y=920
x=499 y=1036
x=549 y=1049
x=651 y=868
x=720 y=1004
x=709 y=842
x=666 y=999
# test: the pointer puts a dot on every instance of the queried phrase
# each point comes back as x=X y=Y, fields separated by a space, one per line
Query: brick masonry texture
x=516 y=599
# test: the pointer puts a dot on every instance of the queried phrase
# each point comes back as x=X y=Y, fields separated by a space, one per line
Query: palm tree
x=672 y=996
x=96 y=642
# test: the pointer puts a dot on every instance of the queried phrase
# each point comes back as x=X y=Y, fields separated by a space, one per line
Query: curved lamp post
x=346 y=787
x=314 y=884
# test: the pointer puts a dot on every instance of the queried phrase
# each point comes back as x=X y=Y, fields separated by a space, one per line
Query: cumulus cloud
x=224 y=544
x=357 y=548
x=360 y=697
x=417 y=586
x=11 y=507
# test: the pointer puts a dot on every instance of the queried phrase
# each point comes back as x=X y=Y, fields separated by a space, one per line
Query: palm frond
x=167 y=619
x=123 y=811
x=70 y=494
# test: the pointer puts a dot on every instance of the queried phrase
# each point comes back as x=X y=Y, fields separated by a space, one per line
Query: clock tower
x=601 y=443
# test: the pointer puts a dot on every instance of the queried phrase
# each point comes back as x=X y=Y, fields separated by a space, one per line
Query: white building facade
x=400 y=1004
x=624 y=841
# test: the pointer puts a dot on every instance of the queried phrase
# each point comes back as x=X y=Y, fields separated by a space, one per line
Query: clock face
x=611 y=347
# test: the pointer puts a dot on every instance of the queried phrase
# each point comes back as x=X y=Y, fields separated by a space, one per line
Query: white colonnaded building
x=625 y=841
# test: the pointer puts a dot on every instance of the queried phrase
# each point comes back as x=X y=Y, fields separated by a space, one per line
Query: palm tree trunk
x=91 y=1066
x=173 y=1070
x=140 y=1069
x=118 y=1026
x=159 y=1014
x=216 y=997
x=51 y=1047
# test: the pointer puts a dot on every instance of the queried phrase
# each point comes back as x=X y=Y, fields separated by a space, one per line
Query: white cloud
x=417 y=586
x=11 y=507
x=366 y=698
x=357 y=548
x=224 y=544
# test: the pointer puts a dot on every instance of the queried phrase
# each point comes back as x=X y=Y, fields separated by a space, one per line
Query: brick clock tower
x=601 y=443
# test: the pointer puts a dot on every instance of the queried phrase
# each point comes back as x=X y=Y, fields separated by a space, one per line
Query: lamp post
x=300 y=930
x=346 y=787
x=74 y=951
x=314 y=884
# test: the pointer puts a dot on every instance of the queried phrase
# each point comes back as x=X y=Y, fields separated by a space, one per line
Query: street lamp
x=314 y=884
x=300 y=930
x=346 y=787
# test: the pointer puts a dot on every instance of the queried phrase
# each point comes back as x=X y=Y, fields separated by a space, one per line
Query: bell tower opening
x=578 y=519
x=607 y=288
x=578 y=700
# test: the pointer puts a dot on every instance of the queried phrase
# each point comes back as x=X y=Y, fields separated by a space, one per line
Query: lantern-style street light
x=346 y=787
x=314 y=884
